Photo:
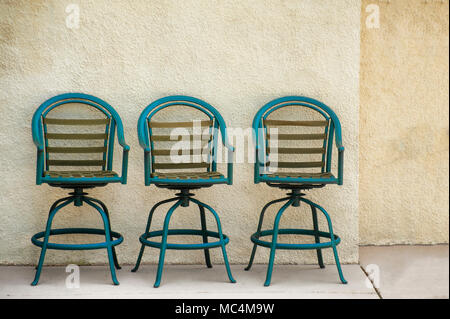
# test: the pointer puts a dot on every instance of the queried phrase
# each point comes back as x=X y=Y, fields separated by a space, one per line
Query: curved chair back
x=67 y=141
x=299 y=139
x=189 y=144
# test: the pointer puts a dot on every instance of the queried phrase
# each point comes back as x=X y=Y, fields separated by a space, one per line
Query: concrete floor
x=405 y=272
x=188 y=281
x=409 y=271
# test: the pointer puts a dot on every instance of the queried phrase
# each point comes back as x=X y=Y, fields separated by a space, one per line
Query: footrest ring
x=143 y=239
x=64 y=231
x=255 y=238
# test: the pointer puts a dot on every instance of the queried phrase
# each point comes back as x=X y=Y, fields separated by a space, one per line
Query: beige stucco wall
x=237 y=55
x=403 y=172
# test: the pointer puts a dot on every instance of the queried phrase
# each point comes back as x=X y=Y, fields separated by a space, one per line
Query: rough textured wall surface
x=403 y=172
x=236 y=55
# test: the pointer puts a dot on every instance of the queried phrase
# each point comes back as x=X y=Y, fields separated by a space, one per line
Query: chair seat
x=80 y=174
x=300 y=175
x=297 y=178
x=188 y=175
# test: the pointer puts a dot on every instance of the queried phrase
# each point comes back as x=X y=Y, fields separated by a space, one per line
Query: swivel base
x=183 y=199
x=112 y=239
x=294 y=198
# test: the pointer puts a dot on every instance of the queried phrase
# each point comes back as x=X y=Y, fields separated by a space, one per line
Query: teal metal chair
x=77 y=153
x=157 y=138
x=294 y=144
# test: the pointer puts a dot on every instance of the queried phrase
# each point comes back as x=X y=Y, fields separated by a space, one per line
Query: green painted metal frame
x=296 y=185
x=184 y=197
x=38 y=130
x=78 y=197
x=260 y=140
x=144 y=139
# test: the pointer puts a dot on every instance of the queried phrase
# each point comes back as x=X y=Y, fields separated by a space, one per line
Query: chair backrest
x=181 y=133
x=295 y=134
x=77 y=131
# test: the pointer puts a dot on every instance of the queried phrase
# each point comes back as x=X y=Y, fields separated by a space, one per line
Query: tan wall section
x=404 y=124
x=237 y=55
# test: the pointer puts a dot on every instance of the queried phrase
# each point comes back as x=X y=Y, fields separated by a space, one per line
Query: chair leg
x=162 y=252
x=53 y=210
x=260 y=223
x=274 y=241
x=147 y=229
x=107 y=239
x=205 y=235
x=317 y=237
x=105 y=209
x=333 y=244
x=338 y=265
x=219 y=230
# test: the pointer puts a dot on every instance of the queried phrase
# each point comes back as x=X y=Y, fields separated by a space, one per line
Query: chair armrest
x=39 y=146
x=230 y=153
x=256 y=172
x=340 y=165
x=230 y=165
x=36 y=131
x=121 y=140
x=230 y=147
x=125 y=147
x=40 y=154
x=37 y=139
x=126 y=150
x=39 y=164
x=147 y=164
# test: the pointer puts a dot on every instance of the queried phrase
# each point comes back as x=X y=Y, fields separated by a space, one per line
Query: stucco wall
x=403 y=172
x=237 y=55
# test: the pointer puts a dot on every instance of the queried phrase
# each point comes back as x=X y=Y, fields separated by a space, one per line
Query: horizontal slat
x=76 y=121
x=296 y=164
x=76 y=149
x=179 y=165
x=299 y=136
x=76 y=162
x=295 y=150
x=188 y=175
x=64 y=136
x=179 y=152
x=301 y=175
x=168 y=138
x=78 y=174
x=179 y=124
x=295 y=123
